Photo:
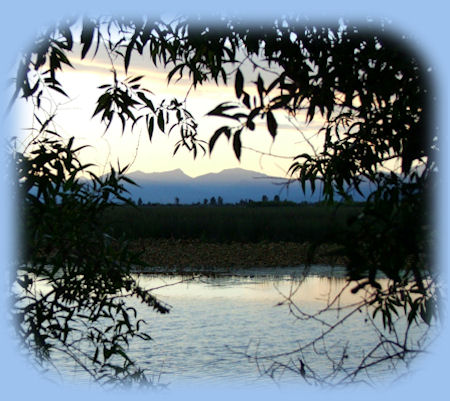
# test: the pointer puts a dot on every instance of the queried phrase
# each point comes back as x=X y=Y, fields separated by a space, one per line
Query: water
x=217 y=326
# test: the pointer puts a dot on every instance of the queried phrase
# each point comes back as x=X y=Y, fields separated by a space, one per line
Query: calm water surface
x=215 y=321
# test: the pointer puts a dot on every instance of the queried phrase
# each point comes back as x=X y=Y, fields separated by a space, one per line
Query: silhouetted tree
x=86 y=271
x=368 y=92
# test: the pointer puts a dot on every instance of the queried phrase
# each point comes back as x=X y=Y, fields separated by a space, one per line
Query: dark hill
x=232 y=185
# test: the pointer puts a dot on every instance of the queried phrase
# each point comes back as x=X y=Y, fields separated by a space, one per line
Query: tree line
x=213 y=201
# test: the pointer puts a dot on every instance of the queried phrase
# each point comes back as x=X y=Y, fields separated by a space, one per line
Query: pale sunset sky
x=73 y=118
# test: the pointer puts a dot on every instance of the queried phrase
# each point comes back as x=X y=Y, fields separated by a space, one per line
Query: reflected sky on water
x=215 y=321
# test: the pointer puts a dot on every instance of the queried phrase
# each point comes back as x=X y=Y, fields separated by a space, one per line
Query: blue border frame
x=425 y=22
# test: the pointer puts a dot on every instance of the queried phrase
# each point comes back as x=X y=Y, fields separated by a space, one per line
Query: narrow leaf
x=246 y=100
x=161 y=120
x=216 y=135
x=260 y=86
x=135 y=79
x=151 y=124
x=219 y=110
x=87 y=34
x=271 y=124
x=239 y=83
x=237 y=145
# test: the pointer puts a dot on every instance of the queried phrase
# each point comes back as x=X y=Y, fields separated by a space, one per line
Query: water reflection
x=262 y=288
x=215 y=321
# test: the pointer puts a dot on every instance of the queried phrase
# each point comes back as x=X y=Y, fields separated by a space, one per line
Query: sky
x=427 y=24
x=74 y=118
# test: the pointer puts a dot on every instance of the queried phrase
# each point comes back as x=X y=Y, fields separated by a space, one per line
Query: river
x=225 y=329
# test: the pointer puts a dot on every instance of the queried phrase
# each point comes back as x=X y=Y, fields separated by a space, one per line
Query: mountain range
x=232 y=185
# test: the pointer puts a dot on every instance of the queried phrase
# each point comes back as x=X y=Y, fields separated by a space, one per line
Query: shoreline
x=249 y=272
x=175 y=256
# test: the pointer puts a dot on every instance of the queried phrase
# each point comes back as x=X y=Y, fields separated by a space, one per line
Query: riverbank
x=194 y=256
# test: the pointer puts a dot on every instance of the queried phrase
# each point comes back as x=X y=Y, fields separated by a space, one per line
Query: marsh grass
x=232 y=223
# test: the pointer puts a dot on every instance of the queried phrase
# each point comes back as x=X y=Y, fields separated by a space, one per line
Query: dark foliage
x=369 y=92
x=73 y=277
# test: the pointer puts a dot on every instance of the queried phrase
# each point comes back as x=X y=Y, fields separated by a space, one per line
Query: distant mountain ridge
x=232 y=185
x=166 y=176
